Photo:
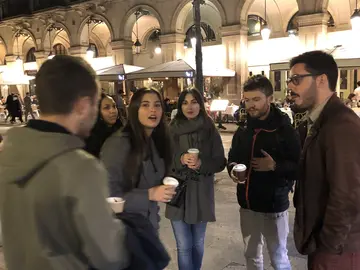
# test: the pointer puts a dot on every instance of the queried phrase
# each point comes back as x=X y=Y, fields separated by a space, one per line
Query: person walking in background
x=269 y=147
x=16 y=110
x=9 y=106
x=27 y=106
x=138 y=157
x=108 y=122
x=54 y=213
x=193 y=128
x=327 y=193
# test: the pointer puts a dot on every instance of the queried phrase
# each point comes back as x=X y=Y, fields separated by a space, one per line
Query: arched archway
x=96 y=30
x=277 y=15
x=3 y=51
x=56 y=33
x=129 y=20
x=22 y=41
x=212 y=13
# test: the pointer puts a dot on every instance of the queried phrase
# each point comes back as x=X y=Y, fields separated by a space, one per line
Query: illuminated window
x=30 y=56
x=59 y=49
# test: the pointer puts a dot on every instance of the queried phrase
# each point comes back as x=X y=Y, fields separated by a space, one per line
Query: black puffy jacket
x=266 y=192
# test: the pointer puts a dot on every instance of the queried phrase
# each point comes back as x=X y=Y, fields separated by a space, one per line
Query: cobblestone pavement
x=224 y=246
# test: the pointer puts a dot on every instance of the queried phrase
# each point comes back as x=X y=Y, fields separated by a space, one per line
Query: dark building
x=14 y=8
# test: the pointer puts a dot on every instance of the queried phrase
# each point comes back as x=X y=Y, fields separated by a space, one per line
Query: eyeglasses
x=296 y=79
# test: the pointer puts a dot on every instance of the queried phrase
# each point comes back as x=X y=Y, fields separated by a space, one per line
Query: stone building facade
x=32 y=29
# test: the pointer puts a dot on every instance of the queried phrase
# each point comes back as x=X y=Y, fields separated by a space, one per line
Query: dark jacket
x=99 y=134
x=199 y=205
x=27 y=103
x=114 y=154
x=143 y=243
x=327 y=195
x=266 y=192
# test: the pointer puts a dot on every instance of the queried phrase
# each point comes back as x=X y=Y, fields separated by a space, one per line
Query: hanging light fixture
x=51 y=54
x=158 y=49
x=157 y=40
x=89 y=52
x=355 y=19
x=137 y=43
x=18 y=58
x=265 y=30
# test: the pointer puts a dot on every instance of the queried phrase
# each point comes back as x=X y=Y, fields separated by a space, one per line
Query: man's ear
x=271 y=98
x=82 y=105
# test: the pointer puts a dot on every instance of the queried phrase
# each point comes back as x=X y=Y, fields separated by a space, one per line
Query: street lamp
x=355 y=19
x=265 y=30
x=137 y=43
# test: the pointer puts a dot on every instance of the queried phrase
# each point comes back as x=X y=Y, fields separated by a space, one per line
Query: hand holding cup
x=238 y=173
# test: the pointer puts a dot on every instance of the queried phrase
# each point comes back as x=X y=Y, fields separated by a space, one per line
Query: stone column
x=78 y=51
x=122 y=52
x=41 y=57
x=313 y=30
x=235 y=42
x=172 y=47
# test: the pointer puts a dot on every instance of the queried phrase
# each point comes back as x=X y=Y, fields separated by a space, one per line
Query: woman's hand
x=161 y=193
x=196 y=166
x=189 y=160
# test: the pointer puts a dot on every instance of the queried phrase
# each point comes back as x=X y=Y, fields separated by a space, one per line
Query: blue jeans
x=271 y=227
x=190 y=244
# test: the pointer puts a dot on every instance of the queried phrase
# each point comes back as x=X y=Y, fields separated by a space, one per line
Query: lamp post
x=198 y=53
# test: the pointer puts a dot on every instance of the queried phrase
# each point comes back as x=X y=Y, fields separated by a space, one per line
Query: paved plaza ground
x=224 y=246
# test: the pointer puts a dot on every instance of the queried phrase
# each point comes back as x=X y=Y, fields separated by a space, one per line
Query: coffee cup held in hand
x=116 y=204
x=194 y=152
x=239 y=171
x=170 y=181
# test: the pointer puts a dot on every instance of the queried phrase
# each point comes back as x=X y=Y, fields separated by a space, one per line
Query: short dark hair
x=358 y=83
x=318 y=63
x=61 y=81
x=259 y=82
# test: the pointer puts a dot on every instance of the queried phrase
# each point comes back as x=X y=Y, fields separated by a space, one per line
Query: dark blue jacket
x=266 y=192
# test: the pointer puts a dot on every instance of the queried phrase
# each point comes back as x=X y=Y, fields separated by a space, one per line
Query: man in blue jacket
x=270 y=149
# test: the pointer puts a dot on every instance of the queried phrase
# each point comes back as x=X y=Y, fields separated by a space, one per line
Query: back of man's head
x=259 y=83
x=358 y=83
x=63 y=80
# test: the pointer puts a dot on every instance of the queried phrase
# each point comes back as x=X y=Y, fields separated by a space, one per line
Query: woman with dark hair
x=108 y=122
x=193 y=128
x=138 y=157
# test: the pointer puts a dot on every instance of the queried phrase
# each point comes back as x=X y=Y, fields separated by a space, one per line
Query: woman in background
x=108 y=122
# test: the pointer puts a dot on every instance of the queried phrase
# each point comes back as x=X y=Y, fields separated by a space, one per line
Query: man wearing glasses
x=327 y=194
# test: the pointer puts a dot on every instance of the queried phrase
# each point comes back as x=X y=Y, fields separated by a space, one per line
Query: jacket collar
x=332 y=105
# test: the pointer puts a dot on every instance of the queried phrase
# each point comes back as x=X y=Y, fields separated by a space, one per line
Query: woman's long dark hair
x=101 y=131
x=139 y=141
x=196 y=94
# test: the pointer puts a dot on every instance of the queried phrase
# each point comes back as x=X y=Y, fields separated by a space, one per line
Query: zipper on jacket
x=257 y=131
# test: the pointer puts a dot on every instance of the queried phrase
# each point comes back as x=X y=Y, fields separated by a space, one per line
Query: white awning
x=116 y=73
x=179 y=69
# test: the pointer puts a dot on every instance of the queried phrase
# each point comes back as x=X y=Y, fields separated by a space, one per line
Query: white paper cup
x=193 y=151
x=239 y=170
x=116 y=204
x=170 y=181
